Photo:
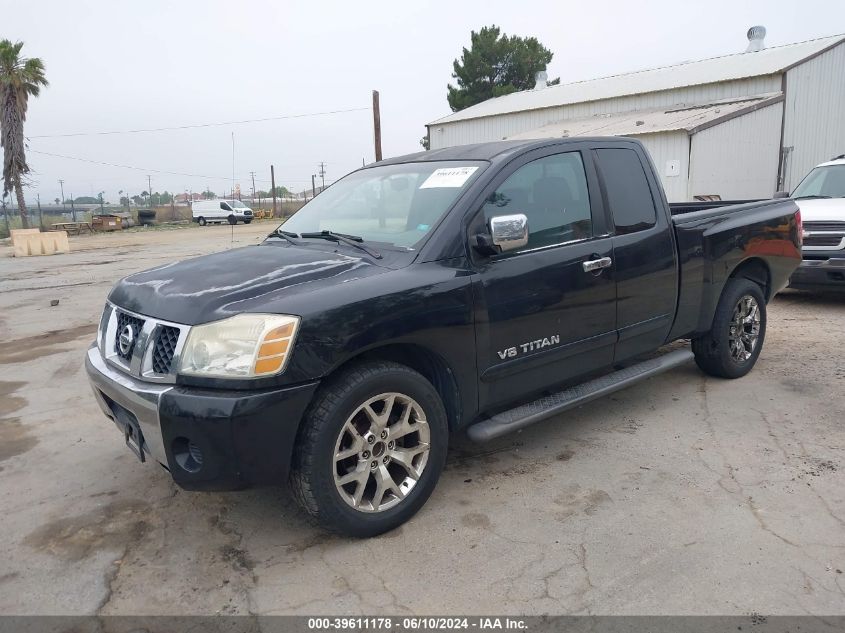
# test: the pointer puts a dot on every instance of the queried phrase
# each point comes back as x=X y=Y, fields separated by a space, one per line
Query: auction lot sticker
x=448 y=177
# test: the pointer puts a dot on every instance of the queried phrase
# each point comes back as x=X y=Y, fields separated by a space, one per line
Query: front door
x=543 y=317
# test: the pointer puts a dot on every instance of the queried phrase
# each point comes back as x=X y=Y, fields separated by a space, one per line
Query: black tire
x=715 y=352
x=233 y=219
x=247 y=221
x=201 y=221
x=313 y=470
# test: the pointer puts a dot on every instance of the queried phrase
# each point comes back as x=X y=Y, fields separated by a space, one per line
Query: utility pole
x=40 y=214
x=377 y=125
x=313 y=186
x=6 y=215
x=322 y=175
x=273 y=185
x=150 y=191
x=252 y=173
x=72 y=208
x=62 y=185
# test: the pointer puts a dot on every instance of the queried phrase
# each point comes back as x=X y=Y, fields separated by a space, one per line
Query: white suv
x=821 y=198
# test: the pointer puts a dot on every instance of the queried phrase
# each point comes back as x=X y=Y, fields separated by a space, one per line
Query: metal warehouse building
x=739 y=126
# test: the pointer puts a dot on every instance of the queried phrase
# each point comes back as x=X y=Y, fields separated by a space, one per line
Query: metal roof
x=691 y=118
x=729 y=67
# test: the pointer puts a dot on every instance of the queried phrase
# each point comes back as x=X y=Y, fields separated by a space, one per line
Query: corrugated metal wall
x=664 y=148
x=496 y=128
x=815 y=113
x=737 y=159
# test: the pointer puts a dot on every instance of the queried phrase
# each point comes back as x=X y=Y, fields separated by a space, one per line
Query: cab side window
x=552 y=193
x=224 y=206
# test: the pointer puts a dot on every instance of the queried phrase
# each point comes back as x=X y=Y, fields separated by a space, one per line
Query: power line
x=199 y=125
x=158 y=171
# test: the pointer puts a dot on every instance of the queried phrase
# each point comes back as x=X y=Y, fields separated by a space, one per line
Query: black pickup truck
x=478 y=288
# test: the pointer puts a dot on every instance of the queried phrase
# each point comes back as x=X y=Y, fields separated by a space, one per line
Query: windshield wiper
x=349 y=240
x=808 y=197
x=286 y=235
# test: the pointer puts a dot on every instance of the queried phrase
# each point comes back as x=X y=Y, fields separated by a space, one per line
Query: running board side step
x=553 y=404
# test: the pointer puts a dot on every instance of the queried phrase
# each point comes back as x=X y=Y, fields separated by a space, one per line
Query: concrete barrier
x=31 y=242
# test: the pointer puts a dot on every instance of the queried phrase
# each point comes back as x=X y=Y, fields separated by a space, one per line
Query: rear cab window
x=626 y=187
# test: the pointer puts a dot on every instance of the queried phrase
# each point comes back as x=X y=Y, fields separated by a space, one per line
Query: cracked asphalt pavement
x=682 y=495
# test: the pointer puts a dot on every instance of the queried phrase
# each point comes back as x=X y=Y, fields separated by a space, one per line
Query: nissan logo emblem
x=126 y=339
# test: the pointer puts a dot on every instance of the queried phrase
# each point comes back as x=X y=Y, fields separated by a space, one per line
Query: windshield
x=826 y=182
x=392 y=204
x=236 y=204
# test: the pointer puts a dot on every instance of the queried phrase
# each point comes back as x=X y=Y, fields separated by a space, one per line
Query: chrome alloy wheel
x=381 y=452
x=744 y=329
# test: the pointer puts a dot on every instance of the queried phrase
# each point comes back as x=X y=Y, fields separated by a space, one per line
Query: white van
x=231 y=211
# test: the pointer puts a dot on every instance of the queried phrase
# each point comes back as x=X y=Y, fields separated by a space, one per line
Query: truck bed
x=678 y=208
x=716 y=239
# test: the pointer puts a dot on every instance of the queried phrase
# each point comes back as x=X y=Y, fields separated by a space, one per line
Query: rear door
x=644 y=253
x=541 y=317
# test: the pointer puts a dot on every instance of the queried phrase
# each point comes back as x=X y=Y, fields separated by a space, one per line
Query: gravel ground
x=683 y=495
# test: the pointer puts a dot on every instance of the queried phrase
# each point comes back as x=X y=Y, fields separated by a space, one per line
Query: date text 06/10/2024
x=416 y=623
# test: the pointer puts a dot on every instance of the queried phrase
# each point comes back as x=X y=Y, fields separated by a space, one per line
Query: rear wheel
x=731 y=347
x=371 y=449
x=233 y=219
x=201 y=221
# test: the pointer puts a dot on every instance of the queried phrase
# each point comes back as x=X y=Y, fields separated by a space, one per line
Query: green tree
x=20 y=78
x=496 y=65
x=208 y=194
x=86 y=200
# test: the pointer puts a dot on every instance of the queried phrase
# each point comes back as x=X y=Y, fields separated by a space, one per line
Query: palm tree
x=20 y=78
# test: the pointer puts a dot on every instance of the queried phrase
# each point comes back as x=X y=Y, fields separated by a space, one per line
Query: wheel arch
x=424 y=361
x=757 y=270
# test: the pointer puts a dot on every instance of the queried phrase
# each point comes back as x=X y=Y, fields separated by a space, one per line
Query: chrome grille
x=825 y=226
x=822 y=239
x=136 y=324
x=154 y=351
x=164 y=348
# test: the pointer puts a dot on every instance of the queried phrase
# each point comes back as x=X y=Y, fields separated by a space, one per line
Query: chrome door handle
x=597 y=264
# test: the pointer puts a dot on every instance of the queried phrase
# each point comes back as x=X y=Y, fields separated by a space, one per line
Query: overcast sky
x=129 y=65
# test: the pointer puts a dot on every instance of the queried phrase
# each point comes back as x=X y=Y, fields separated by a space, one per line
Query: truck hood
x=822 y=209
x=240 y=280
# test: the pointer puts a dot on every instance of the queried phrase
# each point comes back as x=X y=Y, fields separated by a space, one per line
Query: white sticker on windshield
x=448 y=177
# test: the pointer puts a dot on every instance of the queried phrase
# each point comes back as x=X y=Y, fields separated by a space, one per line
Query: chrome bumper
x=139 y=398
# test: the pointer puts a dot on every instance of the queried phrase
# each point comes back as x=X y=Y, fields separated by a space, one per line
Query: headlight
x=243 y=346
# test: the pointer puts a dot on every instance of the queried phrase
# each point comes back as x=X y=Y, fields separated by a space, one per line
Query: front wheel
x=247 y=221
x=233 y=220
x=201 y=221
x=731 y=347
x=370 y=450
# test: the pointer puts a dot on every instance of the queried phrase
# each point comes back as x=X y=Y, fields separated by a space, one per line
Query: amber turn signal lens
x=283 y=331
x=269 y=365
x=273 y=350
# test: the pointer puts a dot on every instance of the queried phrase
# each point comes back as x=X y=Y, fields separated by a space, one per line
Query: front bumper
x=819 y=274
x=207 y=439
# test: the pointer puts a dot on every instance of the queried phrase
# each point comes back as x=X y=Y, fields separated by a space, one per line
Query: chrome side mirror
x=509 y=232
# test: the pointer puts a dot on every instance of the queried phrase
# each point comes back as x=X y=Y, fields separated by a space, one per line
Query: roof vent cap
x=540 y=80
x=756 y=36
